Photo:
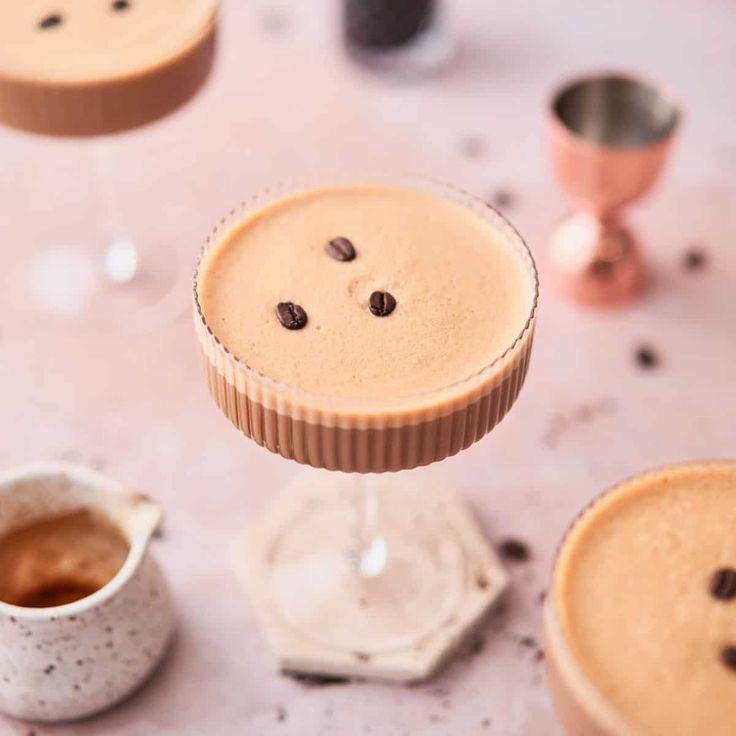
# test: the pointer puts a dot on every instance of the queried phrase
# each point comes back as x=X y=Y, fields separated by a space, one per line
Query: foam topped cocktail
x=364 y=325
x=640 y=620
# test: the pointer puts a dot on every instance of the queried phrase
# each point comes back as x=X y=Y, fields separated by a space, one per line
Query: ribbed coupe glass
x=390 y=567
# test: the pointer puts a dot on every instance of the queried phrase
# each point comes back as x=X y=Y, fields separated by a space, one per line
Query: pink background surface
x=282 y=100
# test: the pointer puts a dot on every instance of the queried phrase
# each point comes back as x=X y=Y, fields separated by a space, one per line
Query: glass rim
x=361 y=177
x=662 y=91
x=560 y=646
x=561 y=651
x=641 y=476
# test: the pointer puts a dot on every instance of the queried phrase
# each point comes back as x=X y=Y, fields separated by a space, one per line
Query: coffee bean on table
x=695 y=259
x=503 y=198
x=341 y=249
x=381 y=303
x=472 y=146
x=723 y=584
x=728 y=656
x=646 y=357
x=514 y=550
x=291 y=315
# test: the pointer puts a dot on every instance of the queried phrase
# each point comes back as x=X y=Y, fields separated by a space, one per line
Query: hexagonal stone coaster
x=321 y=617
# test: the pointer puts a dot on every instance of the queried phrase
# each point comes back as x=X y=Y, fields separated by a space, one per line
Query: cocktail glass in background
x=87 y=70
x=640 y=632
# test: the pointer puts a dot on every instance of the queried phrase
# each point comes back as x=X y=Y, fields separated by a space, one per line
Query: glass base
x=405 y=584
x=116 y=284
x=421 y=57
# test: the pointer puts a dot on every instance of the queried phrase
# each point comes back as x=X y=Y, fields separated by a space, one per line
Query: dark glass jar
x=400 y=37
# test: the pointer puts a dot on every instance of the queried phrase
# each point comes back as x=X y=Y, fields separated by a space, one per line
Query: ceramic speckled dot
x=73 y=660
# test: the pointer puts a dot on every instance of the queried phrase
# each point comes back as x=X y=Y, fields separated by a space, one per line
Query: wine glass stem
x=108 y=204
x=370 y=552
x=120 y=258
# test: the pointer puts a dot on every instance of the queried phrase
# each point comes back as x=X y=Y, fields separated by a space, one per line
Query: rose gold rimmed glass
x=610 y=135
x=368 y=564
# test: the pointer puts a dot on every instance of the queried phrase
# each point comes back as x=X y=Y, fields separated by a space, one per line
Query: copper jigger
x=610 y=135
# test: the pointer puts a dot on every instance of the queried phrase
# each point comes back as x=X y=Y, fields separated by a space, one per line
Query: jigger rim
x=664 y=91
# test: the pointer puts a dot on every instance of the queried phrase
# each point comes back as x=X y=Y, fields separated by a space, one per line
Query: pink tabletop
x=282 y=101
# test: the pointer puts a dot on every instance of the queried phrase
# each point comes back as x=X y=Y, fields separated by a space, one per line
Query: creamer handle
x=147 y=514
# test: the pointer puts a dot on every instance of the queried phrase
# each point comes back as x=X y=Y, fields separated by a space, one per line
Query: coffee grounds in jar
x=385 y=24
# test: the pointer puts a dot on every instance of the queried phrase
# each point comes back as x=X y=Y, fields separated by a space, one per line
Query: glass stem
x=120 y=257
x=101 y=181
x=370 y=553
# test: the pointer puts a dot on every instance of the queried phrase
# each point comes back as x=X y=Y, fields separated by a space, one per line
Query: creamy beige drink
x=83 y=68
x=60 y=559
x=641 y=616
x=366 y=308
x=462 y=294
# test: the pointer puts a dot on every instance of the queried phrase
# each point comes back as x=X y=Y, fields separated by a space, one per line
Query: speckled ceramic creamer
x=70 y=661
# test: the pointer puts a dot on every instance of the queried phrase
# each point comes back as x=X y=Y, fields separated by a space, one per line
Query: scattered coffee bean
x=50 y=21
x=723 y=584
x=728 y=656
x=694 y=260
x=477 y=647
x=472 y=146
x=473 y=648
x=514 y=550
x=341 y=249
x=503 y=199
x=646 y=357
x=309 y=680
x=291 y=315
x=381 y=303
